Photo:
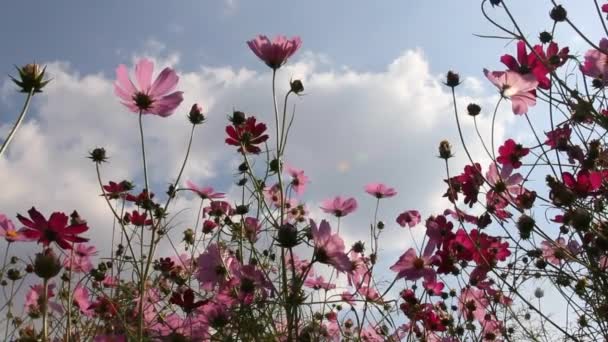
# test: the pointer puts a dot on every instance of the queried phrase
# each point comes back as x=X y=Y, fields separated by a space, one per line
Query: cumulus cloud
x=351 y=127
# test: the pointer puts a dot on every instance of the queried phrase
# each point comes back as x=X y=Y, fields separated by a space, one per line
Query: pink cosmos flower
x=409 y=218
x=559 y=251
x=298 y=179
x=329 y=248
x=516 y=87
x=529 y=63
x=504 y=181
x=413 y=267
x=33 y=298
x=110 y=338
x=81 y=300
x=318 y=283
x=213 y=267
x=339 y=206
x=433 y=287
x=511 y=153
x=206 y=192
x=56 y=229
x=585 y=183
x=472 y=304
x=81 y=258
x=276 y=52
x=155 y=98
x=252 y=229
x=379 y=190
x=8 y=231
x=596 y=62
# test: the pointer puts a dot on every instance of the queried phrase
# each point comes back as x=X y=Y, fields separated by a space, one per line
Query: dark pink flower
x=148 y=98
x=515 y=87
x=585 y=182
x=206 y=192
x=413 y=267
x=510 y=153
x=528 y=64
x=559 y=137
x=138 y=219
x=472 y=304
x=186 y=301
x=379 y=190
x=56 y=229
x=298 y=179
x=433 y=287
x=9 y=232
x=409 y=218
x=339 y=206
x=329 y=248
x=115 y=190
x=247 y=135
x=276 y=52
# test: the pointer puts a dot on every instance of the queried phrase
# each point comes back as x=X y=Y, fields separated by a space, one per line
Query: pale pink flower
x=558 y=251
x=380 y=190
x=596 y=62
x=505 y=179
x=276 y=52
x=148 y=98
x=318 y=283
x=472 y=303
x=81 y=300
x=516 y=87
x=329 y=248
x=298 y=179
x=408 y=218
x=206 y=192
x=413 y=267
x=9 y=232
x=80 y=262
x=339 y=206
x=33 y=298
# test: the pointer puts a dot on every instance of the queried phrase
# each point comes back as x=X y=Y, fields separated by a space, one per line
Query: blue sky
x=96 y=36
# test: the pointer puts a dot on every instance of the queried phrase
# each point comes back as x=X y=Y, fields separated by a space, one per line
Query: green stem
x=45 y=301
x=11 y=134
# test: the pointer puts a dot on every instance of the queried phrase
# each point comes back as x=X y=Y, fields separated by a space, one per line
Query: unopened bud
x=445 y=150
x=47 y=264
x=196 y=116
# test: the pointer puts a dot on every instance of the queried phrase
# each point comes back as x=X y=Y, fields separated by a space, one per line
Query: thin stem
x=45 y=301
x=11 y=134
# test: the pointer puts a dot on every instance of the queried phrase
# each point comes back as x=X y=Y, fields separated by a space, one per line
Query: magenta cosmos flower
x=329 y=248
x=56 y=229
x=379 y=190
x=518 y=88
x=339 y=206
x=148 y=98
x=276 y=52
x=8 y=231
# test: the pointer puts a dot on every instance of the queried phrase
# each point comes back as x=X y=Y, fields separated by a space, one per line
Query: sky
x=375 y=109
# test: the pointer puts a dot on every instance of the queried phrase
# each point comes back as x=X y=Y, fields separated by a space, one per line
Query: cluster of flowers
x=262 y=268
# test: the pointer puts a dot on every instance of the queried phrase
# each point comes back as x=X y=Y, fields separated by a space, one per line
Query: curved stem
x=11 y=134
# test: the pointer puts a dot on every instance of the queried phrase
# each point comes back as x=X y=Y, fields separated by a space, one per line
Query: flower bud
x=452 y=79
x=473 y=109
x=98 y=155
x=525 y=225
x=296 y=86
x=14 y=274
x=237 y=118
x=31 y=78
x=47 y=264
x=539 y=293
x=189 y=236
x=558 y=13
x=359 y=247
x=545 y=37
x=287 y=236
x=196 y=116
x=445 y=150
